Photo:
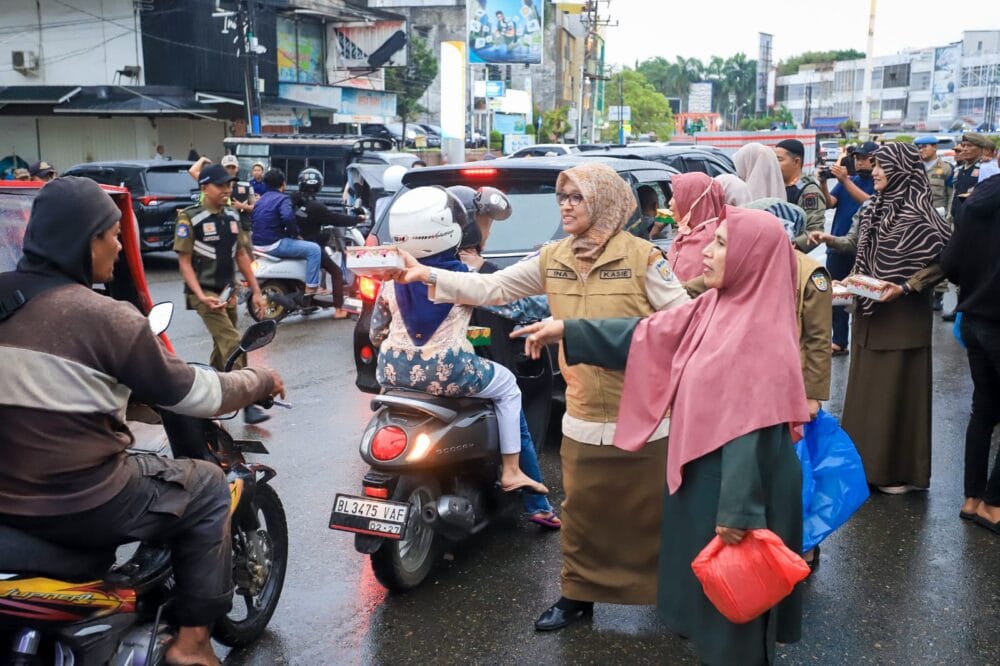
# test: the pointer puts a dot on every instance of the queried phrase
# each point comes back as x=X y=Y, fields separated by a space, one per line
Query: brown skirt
x=611 y=521
x=887 y=412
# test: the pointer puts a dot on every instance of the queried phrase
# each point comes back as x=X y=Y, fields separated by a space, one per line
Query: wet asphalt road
x=905 y=582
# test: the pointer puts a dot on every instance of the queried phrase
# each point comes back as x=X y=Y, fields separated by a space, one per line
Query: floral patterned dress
x=445 y=365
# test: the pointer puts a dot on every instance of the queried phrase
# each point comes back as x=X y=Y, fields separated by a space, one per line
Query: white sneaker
x=899 y=490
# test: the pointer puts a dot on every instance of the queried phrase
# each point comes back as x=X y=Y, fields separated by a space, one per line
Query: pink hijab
x=725 y=364
x=758 y=166
x=698 y=202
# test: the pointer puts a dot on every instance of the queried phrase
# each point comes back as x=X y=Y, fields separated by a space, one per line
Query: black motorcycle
x=434 y=467
x=70 y=608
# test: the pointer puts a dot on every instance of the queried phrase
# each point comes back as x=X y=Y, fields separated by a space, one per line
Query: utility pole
x=621 y=107
x=594 y=22
x=866 y=93
x=251 y=68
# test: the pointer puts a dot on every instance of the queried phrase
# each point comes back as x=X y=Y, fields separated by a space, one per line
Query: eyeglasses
x=574 y=199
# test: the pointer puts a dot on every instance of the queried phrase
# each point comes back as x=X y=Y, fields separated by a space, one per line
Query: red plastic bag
x=745 y=580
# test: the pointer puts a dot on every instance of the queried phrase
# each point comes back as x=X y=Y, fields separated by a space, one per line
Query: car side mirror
x=159 y=317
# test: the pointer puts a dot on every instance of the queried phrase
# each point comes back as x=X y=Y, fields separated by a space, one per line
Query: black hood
x=67 y=213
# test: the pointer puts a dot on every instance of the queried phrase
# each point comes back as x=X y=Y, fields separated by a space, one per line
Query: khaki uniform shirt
x=212 y=240
x=813 y=202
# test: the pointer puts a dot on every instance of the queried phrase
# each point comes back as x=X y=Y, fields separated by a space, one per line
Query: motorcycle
x=68 y=607
x=283 y=281
x=434 y=467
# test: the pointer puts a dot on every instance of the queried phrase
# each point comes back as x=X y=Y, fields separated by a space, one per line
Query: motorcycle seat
x=440 y=401
x=23 y=553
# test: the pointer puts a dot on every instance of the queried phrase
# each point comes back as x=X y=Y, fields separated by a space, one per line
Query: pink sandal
x=547 y=519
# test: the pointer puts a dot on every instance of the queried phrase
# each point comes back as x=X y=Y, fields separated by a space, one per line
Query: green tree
x=650 y=109
x=411 y=82
x=791 y=66
x=555 y=124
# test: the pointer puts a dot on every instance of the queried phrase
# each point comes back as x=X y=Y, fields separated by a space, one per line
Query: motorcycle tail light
x=420 y=447
x=368 y=288
x=367 y=354
x=380 y=493
x=388 y=443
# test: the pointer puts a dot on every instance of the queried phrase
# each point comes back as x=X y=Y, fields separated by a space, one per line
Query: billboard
x=763 y=68
x=944 y=84
x=348 y=46
x=700 y=97
x=504 y=32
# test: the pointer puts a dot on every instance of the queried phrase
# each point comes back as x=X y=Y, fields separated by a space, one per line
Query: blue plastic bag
x=956 y=330
x=836 y=486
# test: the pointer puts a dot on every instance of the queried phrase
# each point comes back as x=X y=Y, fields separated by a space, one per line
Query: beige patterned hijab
x=610 y=203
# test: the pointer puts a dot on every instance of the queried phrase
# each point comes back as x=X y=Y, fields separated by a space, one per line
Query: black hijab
x=67 y=213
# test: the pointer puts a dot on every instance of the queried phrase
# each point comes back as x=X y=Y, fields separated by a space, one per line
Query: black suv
x=159 y=189
x=530 y=183
x=685 y=159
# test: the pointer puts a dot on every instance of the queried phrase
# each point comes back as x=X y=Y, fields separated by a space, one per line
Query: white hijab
x=757 y=165
x=737 y=192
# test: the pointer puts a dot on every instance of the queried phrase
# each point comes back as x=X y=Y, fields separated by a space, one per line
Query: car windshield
x=169 y=181
x=535 y=220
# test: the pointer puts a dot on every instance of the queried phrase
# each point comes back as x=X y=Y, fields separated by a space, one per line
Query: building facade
x=954 y=86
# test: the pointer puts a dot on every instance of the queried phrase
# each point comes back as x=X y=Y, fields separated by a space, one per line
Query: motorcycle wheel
x=251 y=612
x=402 y=565
x=273 y=310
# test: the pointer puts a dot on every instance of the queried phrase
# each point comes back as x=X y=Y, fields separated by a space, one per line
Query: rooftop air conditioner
x=25 y=62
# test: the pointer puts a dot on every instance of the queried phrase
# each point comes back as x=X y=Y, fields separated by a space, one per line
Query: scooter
x=76 y=608
x=283 y=281
x=434 y=468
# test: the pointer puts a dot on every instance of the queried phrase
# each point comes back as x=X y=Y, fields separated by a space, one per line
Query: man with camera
x=846 y=198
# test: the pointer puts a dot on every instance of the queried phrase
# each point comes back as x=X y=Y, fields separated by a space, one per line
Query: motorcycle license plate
x=369 y=516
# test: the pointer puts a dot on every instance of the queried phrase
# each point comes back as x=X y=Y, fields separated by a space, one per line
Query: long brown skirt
x=611 y=521
x=887 y=412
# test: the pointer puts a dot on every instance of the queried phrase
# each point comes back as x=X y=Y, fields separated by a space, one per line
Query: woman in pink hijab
x=757 y=165
x=697 y=202
x=726 y=368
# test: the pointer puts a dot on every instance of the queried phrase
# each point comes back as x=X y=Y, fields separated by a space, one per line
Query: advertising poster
x=945 y=82
x=505 y=31
x=700 y=97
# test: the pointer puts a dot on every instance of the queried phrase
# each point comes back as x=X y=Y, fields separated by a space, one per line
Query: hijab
x=899 y=232
x=757 y=165
x=737 y=192
x=609 y=202
x=790 y=215
x=698 y=202
x=725 y=364
x=65 y=216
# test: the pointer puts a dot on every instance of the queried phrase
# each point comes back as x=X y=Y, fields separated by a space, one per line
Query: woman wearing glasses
x=611 y=515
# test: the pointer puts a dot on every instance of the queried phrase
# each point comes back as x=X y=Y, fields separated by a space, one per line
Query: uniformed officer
x=243 y=197
x=210 y=244
x=939 y=172
x=969 y=154
x=803 y=191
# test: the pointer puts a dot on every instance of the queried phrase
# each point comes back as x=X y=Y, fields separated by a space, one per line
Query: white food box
x=374 y=261
x=868 y=287
x=841 y=296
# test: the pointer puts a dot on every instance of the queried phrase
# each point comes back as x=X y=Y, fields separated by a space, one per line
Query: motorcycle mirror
x=159 y=317
x=259 y=335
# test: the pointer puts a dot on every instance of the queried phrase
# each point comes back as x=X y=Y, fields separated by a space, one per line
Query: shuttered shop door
x=72 y=140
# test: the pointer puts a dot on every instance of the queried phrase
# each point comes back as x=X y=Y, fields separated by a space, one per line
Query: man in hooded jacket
x=66 y=476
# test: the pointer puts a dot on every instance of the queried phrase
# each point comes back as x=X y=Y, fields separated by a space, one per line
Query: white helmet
x=392 y=178
x=426 y=221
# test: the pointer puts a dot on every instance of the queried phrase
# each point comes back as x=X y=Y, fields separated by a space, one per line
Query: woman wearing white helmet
x=422 y=345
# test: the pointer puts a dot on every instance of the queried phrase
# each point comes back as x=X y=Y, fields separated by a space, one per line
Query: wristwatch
x=432 y=278
x=907 y=289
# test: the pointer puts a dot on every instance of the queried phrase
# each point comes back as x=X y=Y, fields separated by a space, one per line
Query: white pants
x=506 y=397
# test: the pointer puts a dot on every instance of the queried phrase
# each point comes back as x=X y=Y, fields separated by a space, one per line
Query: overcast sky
x=703 y=28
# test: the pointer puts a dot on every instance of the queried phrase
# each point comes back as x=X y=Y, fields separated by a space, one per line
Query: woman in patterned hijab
x=887 y=409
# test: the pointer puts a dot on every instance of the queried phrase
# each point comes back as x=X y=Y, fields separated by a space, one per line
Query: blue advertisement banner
x=505 y=31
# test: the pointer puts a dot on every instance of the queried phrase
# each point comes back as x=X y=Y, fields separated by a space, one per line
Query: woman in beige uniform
x=611 y=514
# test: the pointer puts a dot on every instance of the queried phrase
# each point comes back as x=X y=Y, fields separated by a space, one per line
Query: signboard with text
x=505 y=32
x=617 y=114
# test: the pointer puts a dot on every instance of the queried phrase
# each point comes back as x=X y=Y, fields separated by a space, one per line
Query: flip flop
x=988 y=524
x=967 y=515
x=526 y=487
x=547 y=519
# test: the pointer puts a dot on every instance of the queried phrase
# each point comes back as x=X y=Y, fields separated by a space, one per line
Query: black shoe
x=948 y=316
x=556 y=618
x=253 y=415
x=938 y=302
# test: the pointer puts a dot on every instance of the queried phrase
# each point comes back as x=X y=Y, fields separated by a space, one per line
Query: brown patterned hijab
x=900 y=232
x=610 y=203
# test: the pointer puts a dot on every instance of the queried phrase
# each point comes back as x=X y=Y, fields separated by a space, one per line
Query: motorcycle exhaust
x=451 y=516
x=284 y=301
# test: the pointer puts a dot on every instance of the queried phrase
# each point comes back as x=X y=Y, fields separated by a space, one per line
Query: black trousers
x=183 y=503
x=330 y=266
x=982 y=340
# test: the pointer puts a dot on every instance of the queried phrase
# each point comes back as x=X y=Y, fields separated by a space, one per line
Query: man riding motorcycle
x=66 y=477
x=311 y=216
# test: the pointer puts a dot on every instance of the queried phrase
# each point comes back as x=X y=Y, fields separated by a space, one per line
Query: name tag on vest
x=560 y=274
x=620 y=274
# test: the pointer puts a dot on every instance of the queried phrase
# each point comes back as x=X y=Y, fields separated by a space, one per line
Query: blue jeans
x=533 y=503
x=292 y=248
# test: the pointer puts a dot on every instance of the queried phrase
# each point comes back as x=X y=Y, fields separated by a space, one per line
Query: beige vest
x=615 y=287
x=938 y=176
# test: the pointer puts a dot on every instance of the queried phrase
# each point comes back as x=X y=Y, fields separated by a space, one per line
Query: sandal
x=341 y=314
x=987 y=523
x=547 y=519
x=837 y=350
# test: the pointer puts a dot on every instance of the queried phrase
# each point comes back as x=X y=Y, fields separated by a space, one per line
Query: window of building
x=917 y=111
x=796 y=92
x=301 y=54
x=971 y=107
x=920 y=80
x=896 y=76
x=877 y=74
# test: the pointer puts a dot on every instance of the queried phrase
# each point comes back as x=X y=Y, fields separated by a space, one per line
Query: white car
x=546 y=150
x=830 y=150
